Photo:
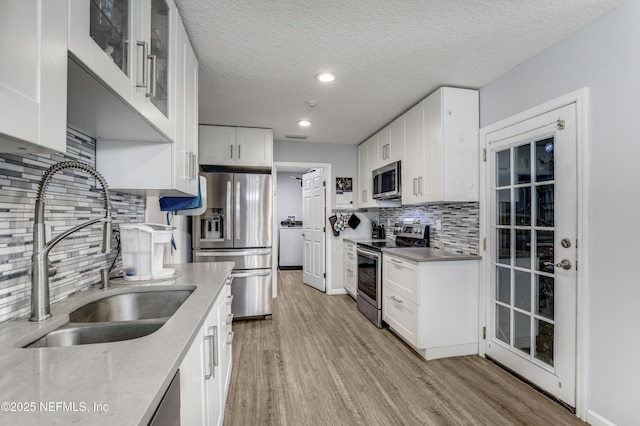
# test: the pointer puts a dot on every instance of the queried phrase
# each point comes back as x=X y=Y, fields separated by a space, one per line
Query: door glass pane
x=503 y=287
x=544 y=251
x=523 y=248
x=504 y=206
x=522 y=164
x=544 y=342
x=160 y=48
x=503 y=168
x=544 y=160
x=544 y=295
x=109 y=28
x=522 y=296
x=545 y=205
x=522 y=332
x=504 y=246
x=503 y=324
x=523 y=206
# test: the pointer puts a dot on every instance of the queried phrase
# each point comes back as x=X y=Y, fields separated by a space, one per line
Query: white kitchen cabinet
x=447 y=168
x=33 y=77
x=206 y=368
x=163 y=169
x=413 y=164
x=192 y=372
x=432 y=305
x=394 y=150
x=236 y=146
x=365 y=187
x=126 y=47
x=350 y=268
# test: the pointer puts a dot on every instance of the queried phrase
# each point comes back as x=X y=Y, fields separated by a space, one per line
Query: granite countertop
x=428 y=254
x=68 y=385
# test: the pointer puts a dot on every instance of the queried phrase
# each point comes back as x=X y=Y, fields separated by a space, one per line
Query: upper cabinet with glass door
x=125 y=46
x=157 y=86
x=100 y=40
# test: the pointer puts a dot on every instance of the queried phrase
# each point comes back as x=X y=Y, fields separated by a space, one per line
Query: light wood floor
x=320 y=362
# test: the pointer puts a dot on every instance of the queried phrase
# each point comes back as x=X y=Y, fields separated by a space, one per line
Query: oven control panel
x=411 y=230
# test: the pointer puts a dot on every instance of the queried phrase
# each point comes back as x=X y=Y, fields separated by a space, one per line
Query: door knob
x=564 y=264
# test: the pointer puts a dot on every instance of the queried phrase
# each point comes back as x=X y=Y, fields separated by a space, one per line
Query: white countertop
x=128 y=378
x=428 y=254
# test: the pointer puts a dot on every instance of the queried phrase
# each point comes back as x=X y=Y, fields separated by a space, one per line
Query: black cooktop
x=399 y=242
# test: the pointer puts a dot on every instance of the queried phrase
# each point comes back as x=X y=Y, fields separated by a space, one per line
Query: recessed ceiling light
x=326 y=77
x=304 y=123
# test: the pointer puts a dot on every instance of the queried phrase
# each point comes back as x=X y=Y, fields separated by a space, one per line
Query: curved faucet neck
x=40 y=303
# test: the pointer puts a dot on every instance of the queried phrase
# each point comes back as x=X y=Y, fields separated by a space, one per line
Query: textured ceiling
x=258 y=58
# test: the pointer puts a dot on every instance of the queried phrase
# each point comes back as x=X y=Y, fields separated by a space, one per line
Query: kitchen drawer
x=350 y=278
x=402 y=315
x=401 y=276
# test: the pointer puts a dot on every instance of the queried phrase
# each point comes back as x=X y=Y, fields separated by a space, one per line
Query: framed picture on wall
x=344 y=192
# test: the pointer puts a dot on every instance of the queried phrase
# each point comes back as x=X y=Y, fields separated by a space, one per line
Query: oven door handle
x=368 y=253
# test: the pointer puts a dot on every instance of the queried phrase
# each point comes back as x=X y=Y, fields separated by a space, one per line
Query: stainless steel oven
x=369 y=298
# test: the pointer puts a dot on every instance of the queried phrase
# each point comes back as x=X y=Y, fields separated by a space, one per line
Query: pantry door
x=313 y=207
x=531 y=181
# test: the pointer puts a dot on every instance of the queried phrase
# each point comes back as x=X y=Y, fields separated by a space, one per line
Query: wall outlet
x=438 y=225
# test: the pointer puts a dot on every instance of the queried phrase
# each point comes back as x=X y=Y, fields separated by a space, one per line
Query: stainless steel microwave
x=386 y=181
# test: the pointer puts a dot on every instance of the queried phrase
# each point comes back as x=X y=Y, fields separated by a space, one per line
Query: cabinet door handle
x=231 y=151
x=142 y=74
x=214 y=348
x=209 y=339
x=239 y=152
x=153 y=69
x=420 y=188
x=396 y=300
x=415 y=185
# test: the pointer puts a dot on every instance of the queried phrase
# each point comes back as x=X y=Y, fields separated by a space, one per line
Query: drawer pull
x=229 y=318
x=396 y=300
x=230 y=299
x=350 y=270
x=399 y=262
x=230 y=337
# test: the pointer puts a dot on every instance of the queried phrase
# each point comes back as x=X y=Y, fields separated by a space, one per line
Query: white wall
x=289 y=196
x=605 y=57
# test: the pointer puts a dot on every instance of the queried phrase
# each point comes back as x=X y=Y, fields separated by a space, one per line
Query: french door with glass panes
x=531 y=305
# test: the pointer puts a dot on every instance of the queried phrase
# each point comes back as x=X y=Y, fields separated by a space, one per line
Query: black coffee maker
x=377 y=231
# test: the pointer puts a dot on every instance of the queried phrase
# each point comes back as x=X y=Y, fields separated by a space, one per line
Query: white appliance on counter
x=236 y=226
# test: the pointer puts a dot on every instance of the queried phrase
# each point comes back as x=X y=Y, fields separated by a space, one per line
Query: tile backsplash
x=460 y=224
x=72 y=198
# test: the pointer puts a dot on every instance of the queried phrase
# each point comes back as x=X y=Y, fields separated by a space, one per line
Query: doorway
x=531 y=225
x=284 y=170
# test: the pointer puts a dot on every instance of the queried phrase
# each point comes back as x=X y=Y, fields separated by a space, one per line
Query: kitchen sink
x=132 y=306
x=123 y=316
x=83 y=334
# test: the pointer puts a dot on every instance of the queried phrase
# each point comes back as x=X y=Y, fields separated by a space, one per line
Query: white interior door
x=531 y=181
x=313 y=202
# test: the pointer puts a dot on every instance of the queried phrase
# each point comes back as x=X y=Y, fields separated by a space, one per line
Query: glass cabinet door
x=160 y=22
x=109 y=28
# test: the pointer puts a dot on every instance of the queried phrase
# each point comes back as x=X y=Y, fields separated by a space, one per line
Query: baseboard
x=595 y=419
x=333 y=292
x=448 y=351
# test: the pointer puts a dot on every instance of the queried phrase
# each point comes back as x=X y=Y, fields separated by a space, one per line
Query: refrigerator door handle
x=227 y=215
x=255 y=273
x=237 y=218
x=229 y=253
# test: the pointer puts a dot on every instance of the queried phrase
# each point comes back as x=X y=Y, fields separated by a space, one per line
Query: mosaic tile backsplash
x=72 y=198
x=460 y=224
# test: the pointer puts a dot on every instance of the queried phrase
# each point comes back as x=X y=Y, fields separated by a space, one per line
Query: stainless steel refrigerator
x=237 y=227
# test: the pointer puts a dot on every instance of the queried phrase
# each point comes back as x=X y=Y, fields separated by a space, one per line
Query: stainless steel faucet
x=40 y=270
